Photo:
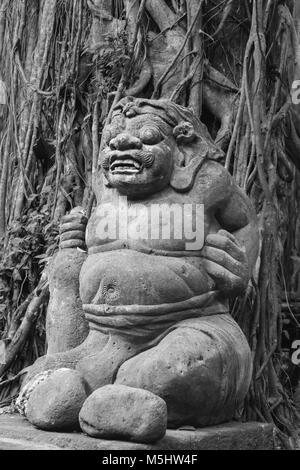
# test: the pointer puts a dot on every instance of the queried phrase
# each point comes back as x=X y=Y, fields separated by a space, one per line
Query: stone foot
x=68 y=359
x=52 y=401
x=120 y=412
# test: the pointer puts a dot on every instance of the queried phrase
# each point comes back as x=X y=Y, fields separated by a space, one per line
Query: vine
x=63 y=65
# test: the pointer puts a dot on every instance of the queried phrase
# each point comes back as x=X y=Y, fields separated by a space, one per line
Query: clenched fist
x=72 y=229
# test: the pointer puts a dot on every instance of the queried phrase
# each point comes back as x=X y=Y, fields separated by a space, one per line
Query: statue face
x=137 y=158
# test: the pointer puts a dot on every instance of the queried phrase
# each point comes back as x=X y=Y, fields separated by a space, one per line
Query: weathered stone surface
x=17 y=433
x=55 y=403
x=161 y=301
x=185 y=370
x=66 y=326
x=22 y=400
x=117 y=411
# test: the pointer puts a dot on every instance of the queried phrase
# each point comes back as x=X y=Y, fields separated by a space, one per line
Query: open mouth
x=126 y=165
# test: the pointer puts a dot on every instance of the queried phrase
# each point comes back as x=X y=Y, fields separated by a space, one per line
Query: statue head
x=150 y=144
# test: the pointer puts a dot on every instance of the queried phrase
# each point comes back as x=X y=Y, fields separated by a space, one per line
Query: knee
x=199 y=374
x=185 y=370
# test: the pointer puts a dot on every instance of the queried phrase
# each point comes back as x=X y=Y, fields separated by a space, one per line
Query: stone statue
x=150 y=341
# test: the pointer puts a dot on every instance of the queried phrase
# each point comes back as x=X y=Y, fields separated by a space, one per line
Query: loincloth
x=151 y=320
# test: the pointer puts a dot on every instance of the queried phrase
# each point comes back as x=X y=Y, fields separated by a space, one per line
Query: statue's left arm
x=231 y=253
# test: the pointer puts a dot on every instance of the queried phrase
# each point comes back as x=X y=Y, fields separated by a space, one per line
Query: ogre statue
x=152 y=325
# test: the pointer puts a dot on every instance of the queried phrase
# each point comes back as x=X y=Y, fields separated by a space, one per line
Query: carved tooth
x=124 y=170
x=130 y=163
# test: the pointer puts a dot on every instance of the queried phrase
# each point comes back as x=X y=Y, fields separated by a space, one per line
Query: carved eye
x=150 y=135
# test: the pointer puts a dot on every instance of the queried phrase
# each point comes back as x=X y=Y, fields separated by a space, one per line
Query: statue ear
x=184 y=132
x=183 y=178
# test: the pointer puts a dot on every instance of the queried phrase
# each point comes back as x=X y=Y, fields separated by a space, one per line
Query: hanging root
x=66 y=64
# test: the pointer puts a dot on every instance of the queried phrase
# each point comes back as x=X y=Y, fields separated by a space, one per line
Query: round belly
x=126 y=277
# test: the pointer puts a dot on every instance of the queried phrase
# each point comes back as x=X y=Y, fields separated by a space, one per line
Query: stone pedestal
x=18 y=434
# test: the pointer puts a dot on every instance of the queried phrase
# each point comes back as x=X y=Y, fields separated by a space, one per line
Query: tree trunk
x=63 y=64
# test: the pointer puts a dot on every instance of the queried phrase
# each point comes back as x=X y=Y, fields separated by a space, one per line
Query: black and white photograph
x=149 y=228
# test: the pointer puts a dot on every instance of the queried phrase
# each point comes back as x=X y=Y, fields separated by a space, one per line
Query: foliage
x=64 y=62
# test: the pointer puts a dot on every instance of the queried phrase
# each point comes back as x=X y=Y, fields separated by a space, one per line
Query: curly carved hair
x=171 y=113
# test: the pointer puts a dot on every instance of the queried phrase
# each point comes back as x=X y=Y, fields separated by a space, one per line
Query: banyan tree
x=64 y=64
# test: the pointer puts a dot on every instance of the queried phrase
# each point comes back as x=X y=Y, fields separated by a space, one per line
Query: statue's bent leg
x=52 y=400
x=95 y=341
x=100 y=367
x=202 y=369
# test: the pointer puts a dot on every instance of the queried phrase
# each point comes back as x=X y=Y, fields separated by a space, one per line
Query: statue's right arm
x=66 y=326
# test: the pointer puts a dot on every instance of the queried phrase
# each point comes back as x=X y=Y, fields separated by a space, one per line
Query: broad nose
x=125 y=142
